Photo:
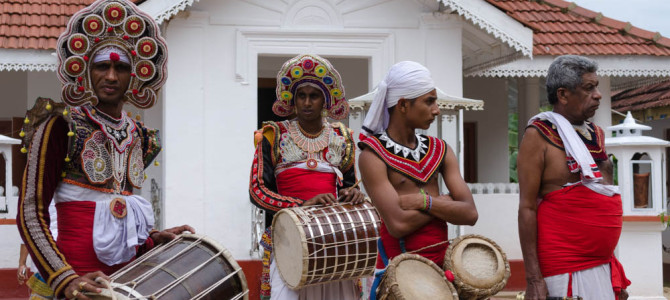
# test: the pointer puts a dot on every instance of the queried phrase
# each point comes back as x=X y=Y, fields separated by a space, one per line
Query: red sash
x=75 y=237
x=305 y=184
x=578 y=229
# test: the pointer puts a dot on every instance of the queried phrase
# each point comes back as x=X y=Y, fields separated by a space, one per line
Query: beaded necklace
x=312 y=143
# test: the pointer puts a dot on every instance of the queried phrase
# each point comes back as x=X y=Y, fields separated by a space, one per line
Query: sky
x=651 y=15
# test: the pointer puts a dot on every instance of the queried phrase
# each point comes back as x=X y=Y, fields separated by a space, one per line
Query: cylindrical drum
x=411 y=276
x=319 y=244
x=479 y=266
x=188 y=267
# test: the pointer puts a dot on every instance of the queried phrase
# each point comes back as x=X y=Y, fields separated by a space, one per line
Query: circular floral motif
x=308 y=64
x=320 y=71
x=93 y=25
x=286 y=96
x=114 y=13
x=145 y=70
x=78 y=44
x=74 y=66
x=99 y=164
x=285 y=80
x=146 y=48
x=336 y=93
x=328 y=80
x=312 y=163
x=296 y=72
x=134 y=26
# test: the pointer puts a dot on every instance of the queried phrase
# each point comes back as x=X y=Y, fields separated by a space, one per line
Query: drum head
x=417 y=280
x=288 y=247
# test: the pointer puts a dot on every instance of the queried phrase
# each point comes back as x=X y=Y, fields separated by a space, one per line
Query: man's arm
x=42 y=174
x=530 y=164
x=262 y=186
x=398 y=221
x=22 y=272
x=458 y=207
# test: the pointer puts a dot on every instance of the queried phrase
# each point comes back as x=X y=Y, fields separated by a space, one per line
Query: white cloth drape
x=114 y=239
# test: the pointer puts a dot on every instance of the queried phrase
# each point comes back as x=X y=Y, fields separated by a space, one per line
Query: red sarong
x=75 y=237
x=430 y=234
x=578 y=229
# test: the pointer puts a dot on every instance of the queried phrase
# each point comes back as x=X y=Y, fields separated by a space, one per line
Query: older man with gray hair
x=570 y=214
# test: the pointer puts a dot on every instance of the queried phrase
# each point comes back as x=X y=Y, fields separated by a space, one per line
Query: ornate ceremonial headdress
x=310 y=70
x=120 y=24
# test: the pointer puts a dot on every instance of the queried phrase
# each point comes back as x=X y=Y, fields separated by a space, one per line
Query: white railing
x=494 y=188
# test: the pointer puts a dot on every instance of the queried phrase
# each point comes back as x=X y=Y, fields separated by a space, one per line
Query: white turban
x=406 y=79
x=105 y=54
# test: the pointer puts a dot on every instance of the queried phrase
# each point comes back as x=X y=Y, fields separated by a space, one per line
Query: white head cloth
x=406 y=79
x=104 y=55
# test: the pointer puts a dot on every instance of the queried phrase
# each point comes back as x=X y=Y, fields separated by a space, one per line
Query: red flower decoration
x=114 y=56
x=94 y=25
x=133 y=74
x=133 y=53
x=97 y=40
x=110 y=29
x=80 y=79
x=85 y=58
x=125 y=37
x=81 y=88
x=75 y=67
x=135 y=91
x=146 y=48
x=77 y=44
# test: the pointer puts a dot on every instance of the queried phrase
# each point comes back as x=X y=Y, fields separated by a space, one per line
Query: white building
x=224 y=55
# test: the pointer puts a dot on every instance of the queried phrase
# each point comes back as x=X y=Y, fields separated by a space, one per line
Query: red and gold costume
x=420 y=165
x=89 y=162
x=291 y=166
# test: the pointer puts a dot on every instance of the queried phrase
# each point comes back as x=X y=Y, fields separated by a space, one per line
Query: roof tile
x=560 y=27
x=36 y=24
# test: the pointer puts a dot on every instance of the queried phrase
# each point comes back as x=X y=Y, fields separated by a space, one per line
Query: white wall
x=498 y=221
x=210 y=97
x=492 y=144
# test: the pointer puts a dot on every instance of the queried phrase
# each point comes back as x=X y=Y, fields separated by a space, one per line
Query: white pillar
x=528 y=103
x=640 y=252
x=603 y=116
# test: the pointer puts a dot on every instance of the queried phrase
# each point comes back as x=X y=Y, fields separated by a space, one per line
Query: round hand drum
x=188 y=267
x=479 y=266
x=411 y=276
x=319 y=244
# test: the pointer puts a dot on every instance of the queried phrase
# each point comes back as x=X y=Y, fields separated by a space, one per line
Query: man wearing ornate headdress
x=400 y=169
x=88 y=155
x=304 y=161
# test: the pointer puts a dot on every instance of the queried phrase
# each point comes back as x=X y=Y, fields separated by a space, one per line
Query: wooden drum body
x=188 y=267
x=411 y=276
x=319 y=244
x=479 y=265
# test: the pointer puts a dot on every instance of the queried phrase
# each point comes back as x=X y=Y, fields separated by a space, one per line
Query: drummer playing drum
x=304 y=161
x=89 y=155
x=399 y=169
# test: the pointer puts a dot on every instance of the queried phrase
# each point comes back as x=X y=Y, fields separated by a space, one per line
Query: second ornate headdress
x=316 y=71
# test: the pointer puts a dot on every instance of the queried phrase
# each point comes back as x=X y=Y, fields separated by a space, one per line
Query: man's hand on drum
x=325 y=199
x=167 y=235
x=355 y=196
x=84 y=284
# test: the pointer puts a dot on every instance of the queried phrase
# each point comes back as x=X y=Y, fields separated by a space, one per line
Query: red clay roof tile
x=561 y=27
x=36 y=24
x=648 y=96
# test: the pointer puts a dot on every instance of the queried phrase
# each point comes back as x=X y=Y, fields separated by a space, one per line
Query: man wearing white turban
x=399 y=169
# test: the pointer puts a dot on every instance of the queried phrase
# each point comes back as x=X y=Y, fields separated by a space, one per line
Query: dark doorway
x=266 y=97
x=470 y=152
